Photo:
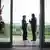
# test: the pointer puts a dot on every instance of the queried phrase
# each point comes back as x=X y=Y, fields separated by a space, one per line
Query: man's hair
x=24 y=16
x=33 y=15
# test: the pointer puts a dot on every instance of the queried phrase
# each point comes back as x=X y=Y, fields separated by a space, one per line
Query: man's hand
x=27 y=23
x=29 y=20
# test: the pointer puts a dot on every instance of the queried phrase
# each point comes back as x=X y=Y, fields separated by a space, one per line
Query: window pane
x=47 y=20
x=5 y=26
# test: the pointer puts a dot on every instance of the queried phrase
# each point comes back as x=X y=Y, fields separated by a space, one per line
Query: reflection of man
x=1 y=10
x=24 y=28
x=0 y=14
x=0 y=18
x=33 y=26
x=1 y=21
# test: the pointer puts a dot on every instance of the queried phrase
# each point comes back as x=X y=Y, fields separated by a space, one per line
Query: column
x=42 y=26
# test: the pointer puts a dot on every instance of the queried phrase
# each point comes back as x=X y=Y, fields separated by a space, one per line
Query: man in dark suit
x=24 y=27
x=33 y=26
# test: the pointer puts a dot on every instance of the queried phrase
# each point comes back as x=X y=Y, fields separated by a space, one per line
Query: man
x=24 y=27
x=33 y=26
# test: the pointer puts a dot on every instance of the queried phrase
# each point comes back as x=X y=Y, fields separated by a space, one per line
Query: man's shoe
x=32 y=40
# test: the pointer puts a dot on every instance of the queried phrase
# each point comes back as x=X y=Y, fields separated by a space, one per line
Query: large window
x=20 y=8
